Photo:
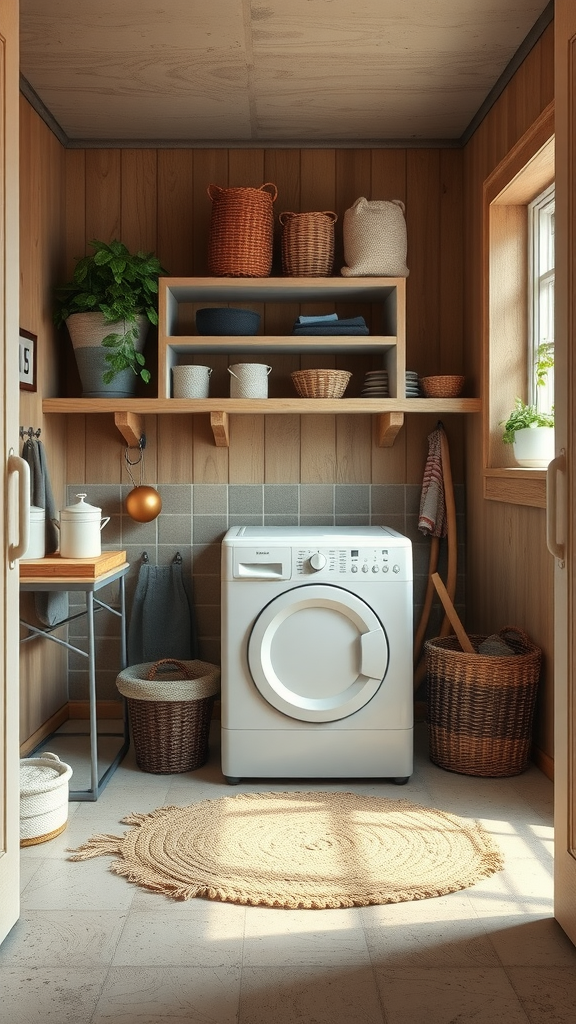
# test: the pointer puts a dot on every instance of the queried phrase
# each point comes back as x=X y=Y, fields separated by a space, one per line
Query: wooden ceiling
x=276 y=72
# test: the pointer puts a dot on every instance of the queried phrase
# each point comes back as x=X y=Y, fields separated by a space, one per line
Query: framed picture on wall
x=27 y=360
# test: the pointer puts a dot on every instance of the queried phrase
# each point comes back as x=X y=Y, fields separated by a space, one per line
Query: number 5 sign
x=27 y=361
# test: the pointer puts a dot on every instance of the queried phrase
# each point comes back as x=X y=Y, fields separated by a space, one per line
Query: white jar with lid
x=80 y=525
x=37 y=542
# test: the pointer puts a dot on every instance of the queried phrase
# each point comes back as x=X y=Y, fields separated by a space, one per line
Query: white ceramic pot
x=80 y=525
x=534 y=447
x=37 y=542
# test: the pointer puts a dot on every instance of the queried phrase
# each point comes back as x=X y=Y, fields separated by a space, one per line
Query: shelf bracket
x=220 y=429
x=131 y=426
x=388 y=425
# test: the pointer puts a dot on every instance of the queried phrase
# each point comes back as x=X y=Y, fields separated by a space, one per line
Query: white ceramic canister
x=191 y=381
x=37 y=542
x=80 y=526
x=249 y=380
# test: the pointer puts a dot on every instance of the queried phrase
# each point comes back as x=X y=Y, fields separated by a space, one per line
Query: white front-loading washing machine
x=316 y=653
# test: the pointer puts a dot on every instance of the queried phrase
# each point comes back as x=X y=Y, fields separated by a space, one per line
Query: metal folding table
x=89 y=587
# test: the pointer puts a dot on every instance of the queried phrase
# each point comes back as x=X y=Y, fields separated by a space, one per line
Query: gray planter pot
x=86 y=333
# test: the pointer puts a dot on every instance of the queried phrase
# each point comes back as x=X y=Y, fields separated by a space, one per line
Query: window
x=541 y=291
x=518 y=303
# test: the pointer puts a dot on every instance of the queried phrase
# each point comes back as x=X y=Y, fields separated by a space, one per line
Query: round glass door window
x=318 y=653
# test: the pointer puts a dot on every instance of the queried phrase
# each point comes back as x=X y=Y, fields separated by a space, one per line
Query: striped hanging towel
x=432 y=520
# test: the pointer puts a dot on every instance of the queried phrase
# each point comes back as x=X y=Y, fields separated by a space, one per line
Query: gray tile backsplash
x=193 y=521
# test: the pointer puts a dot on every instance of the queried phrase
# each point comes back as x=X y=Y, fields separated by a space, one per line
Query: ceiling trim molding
x=510 y=70
x=36 y=103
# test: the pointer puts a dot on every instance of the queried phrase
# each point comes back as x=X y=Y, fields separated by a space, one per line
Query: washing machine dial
x=317 y=561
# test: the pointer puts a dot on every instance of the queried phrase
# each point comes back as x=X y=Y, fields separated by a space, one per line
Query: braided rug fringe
x=299 y=850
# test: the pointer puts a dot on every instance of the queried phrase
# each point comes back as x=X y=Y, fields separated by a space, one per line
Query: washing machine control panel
x=369 y=564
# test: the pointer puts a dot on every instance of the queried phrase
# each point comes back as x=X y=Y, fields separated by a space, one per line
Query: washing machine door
x=318 y=653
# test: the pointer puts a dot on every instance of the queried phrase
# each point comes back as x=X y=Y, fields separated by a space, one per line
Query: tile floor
x=91 y=948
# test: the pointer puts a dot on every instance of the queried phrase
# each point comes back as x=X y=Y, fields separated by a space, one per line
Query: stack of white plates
x=412 y=385
x=376 y=384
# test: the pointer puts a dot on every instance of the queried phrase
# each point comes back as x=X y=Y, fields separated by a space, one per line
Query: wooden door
x=561 y=475
x=9 y=285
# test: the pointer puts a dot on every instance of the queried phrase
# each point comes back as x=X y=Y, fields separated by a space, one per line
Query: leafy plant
x=120 y=285
x=528 y=415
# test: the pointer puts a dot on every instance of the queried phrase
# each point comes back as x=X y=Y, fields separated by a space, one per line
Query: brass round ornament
x=143 y=504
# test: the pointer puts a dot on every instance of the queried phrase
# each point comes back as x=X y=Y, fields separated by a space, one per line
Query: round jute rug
x=309 y=850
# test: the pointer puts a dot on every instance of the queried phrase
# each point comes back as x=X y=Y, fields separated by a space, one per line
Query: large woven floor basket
x=308 y=243
x=241 y=231
x=170 y=706
x=481 y=708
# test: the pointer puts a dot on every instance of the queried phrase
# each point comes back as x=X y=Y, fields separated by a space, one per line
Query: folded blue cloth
x=351 y=325
x=316 y=319
x=329 y=331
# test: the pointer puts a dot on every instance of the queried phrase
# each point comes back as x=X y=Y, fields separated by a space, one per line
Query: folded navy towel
x=351 y=325
x=330 y=331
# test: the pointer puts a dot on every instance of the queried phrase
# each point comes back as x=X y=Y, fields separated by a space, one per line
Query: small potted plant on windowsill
x=528 y=429
x=107 y=306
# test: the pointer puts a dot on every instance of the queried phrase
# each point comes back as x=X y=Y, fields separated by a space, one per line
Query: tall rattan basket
x=241 y=231
x=480 y=707
x=170 y=706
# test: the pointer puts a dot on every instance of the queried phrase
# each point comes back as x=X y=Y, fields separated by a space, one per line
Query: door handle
x=18 y=466
x=555 y=547
x=373 y=654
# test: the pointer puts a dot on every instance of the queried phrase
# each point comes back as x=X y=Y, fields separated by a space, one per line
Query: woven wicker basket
x=241 y=231
x=321 y=383
x=170 y=713
x=481 y=708
x=308 y=243
x=442 y=386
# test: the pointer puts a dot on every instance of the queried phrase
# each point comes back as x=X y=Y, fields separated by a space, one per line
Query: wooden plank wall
x=42 y=664
x=509 y=571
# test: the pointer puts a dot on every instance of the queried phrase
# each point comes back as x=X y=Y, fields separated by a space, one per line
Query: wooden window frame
x=520 y=177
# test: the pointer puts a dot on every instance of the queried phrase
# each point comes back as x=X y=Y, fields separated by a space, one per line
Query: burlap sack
x=375 y=239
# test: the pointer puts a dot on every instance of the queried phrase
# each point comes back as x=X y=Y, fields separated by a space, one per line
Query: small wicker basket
x=308 y=243
x=170 y=712
x=480 y=707
x=321 y=383
x=44 y=795
x=442 y=386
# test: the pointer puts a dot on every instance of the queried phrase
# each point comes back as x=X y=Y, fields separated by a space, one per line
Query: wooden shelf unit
x=381 y=300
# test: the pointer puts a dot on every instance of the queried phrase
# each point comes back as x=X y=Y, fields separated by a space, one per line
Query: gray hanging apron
x=162 y=620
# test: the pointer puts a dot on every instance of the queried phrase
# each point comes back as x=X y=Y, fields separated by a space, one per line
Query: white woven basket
x=204 y=681
x=43 y=798
x=249 y=380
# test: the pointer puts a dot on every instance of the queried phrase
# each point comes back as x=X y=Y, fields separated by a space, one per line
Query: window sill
x=516 y=486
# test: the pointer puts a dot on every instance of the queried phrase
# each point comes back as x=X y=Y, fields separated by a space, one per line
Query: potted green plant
x=528 y=429
x=107 y=307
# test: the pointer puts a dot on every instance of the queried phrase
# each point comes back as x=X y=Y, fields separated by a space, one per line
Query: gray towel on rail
x=51 y=607
x=161 y=620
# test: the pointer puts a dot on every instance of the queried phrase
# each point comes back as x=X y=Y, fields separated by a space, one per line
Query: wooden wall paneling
x=318 y=185
x=318 y=462
x=451 y=258
x=423 y=295
x=246 y=168
x=246 y=454
x=103 y=448
x=388 y=173
x=175 y=240
x=103 y=195
x=353 y=449
x=140 y=199
x=210 y=168
x=529 y=96
x=75 y=184
x=546 y=44
x=175 y=449
x=76 y=430
x=210 y=464
x=353 y=179
x=282 y=449
x=388 y=465
x=282 y=167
